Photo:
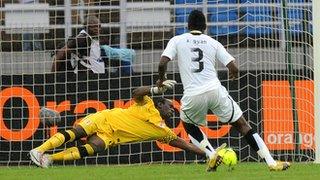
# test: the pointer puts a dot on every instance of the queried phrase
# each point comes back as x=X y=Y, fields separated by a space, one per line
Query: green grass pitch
x=162 y=171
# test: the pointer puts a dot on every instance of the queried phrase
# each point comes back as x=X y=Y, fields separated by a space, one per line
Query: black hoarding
x=76 y=95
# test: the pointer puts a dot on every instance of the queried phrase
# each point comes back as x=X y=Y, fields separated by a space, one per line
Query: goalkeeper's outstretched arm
x=180 y=143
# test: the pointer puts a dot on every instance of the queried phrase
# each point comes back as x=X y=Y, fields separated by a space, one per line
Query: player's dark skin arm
x=62 y=53
x=60 y=56
x=162 y=68
x=233 y=70
x=138 y=93
x=180 y=143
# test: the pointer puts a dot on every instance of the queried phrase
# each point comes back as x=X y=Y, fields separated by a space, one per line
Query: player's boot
x=45 y=161
x=280 y=166
x=216 y=160
x=36 y=156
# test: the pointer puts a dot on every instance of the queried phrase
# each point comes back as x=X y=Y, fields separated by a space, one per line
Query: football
x=49 y=117
x=229 y=157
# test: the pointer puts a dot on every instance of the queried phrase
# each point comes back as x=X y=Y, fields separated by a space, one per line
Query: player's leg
x=61 y=138
x=86 y=127
x=257 y=143
x=94 y=145
x=229 y=112
x=55 y=141
x=92 y=125
x=253 y=139
x=193 y=113
x=199 y=139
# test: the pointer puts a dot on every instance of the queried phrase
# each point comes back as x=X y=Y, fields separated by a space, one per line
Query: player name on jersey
x=194 y=41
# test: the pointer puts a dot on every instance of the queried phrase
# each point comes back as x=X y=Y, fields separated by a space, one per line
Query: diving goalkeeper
x=140 y=122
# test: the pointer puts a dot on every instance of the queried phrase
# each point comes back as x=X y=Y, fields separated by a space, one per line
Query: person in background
x=81 y=53
x=88 y=52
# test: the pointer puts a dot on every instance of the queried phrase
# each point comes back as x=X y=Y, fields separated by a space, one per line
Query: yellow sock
x=56 y=141
x=66 y=155
x=71 y=134
x=53 y=142
x=73 y=153
x=89 y=149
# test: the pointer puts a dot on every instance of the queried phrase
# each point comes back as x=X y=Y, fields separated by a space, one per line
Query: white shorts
x=195 y=108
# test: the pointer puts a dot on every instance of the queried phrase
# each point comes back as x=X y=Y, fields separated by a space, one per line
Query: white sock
x=264 y=151
x=204 y=145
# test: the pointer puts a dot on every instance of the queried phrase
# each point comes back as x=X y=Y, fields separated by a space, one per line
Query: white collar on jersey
x=195 y=32
x=84 y=32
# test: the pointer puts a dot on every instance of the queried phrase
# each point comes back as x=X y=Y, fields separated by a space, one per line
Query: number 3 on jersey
x=198 y=59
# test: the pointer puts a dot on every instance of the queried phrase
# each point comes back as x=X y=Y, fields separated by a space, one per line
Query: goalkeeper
x=140 y=122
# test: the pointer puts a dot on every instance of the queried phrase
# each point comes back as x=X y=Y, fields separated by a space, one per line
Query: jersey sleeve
x=168 y=137
x=222 y=55
x=171 y=49
x=148 y=101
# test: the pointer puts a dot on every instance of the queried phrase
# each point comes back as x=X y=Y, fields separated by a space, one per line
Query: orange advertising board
x=278 y=115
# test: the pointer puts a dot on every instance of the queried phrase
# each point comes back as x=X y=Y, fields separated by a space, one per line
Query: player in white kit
x=196 y=54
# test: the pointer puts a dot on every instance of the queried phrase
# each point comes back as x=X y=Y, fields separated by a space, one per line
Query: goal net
x=270 y=39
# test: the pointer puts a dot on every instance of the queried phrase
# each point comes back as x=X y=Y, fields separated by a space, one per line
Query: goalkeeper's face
x=166 y=109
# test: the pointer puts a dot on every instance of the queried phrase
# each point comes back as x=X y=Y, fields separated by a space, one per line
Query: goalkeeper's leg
x=62 y=137
x=56 y=140
x=257 y=143
x=94 y=145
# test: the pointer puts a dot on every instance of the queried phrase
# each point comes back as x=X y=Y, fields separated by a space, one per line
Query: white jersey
x=96 y=64
x=196 y=56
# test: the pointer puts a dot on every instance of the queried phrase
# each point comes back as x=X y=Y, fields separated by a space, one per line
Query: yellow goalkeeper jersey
x=137 y=123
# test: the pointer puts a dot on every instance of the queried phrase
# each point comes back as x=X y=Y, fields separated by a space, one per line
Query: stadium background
x=271 y=40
